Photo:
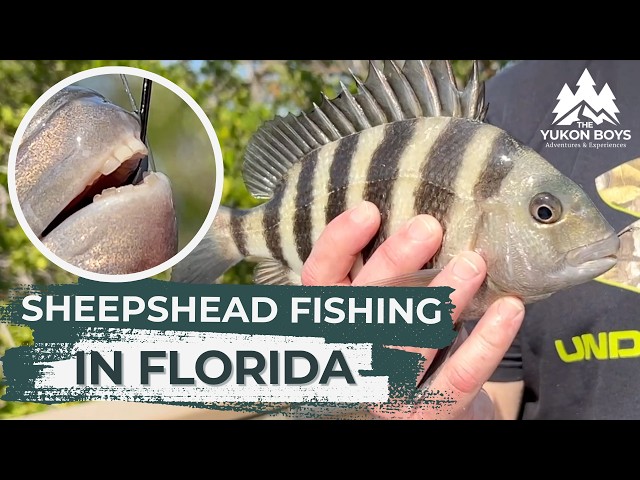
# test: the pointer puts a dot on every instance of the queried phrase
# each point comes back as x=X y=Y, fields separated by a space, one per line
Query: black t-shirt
x=578 y=352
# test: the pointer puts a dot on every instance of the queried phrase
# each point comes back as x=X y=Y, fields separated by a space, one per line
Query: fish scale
x=412 y=143
x=339 y=172
x=270 y=223
x=382 y=174
x=472 y=179
x=302 y=225
x=435 y=192
x=368 y=142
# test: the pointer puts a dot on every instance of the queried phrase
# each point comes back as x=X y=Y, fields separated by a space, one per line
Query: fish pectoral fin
x=441 y=356
x=421 y=278
x=272 y=272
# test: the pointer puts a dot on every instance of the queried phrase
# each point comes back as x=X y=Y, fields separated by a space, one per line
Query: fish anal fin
x=272 y=272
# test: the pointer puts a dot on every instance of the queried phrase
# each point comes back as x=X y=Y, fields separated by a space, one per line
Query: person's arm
x=466 y=371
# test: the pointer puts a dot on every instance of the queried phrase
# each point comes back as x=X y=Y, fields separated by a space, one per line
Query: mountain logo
x=586 y=104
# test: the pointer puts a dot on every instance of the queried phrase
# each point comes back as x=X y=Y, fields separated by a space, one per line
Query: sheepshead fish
x=412 y=143
x=74 y=171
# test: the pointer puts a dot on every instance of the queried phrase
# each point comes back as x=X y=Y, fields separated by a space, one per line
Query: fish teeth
x=127 y=150
x=121 y=154
x=110 y=192
x=149 y=180
x=110 y=166
x=137 y=146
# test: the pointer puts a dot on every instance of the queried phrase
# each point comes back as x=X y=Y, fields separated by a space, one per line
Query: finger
x=464 y=374
x=403 y=252
x=465 y=273
x=339 y=244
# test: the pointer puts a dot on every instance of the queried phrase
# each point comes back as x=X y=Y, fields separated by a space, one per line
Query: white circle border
x=217 y=194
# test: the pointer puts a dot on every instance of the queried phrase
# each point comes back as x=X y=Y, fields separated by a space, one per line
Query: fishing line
x=630 y=228
x=125 y=82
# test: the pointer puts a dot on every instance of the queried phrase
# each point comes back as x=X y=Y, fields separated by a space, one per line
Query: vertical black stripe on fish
x=339 y=176
x=382 y=174
x=238 y=232
x=270 y=223
x=435 y=192
x=302 y=224
x=498 y=167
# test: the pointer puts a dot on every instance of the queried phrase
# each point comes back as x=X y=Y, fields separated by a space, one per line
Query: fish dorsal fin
x=417 y=88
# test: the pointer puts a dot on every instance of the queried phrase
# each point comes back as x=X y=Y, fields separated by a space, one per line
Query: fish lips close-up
x=85 y=192
x=118 y=170
x=594 y=259
x=123 y=230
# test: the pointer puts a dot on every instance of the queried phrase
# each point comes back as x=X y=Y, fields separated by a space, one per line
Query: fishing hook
x=146 y=163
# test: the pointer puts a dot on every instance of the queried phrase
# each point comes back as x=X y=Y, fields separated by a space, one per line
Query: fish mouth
x=595 y=259
x=120 y=167
x=87 y=191
x=124 y=230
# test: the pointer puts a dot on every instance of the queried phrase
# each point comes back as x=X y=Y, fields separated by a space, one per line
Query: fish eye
x=545 y=208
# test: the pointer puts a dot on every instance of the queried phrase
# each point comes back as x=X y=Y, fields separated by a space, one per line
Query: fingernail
x=362 y=214
x=420 y=228
x=464 y=268
x=509 y=308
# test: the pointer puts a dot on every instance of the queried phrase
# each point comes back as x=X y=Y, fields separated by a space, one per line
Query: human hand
x=461 y=377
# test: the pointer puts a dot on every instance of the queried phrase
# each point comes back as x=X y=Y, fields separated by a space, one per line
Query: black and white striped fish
x=411 y=142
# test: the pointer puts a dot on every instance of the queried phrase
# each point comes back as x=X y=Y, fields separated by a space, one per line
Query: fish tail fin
x=214 y=255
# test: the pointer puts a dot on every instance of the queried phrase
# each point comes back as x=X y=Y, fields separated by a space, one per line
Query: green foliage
x=237 y=96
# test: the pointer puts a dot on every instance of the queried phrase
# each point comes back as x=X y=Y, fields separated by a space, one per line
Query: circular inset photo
x=115 y=174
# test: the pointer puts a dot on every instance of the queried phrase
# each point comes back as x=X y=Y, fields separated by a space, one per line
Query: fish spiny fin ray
x=418 y=88
x=272 y=272
x=472 y=98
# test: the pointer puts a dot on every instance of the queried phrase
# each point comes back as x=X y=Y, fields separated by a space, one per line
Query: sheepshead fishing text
x=217 y=309
x=167 y=342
